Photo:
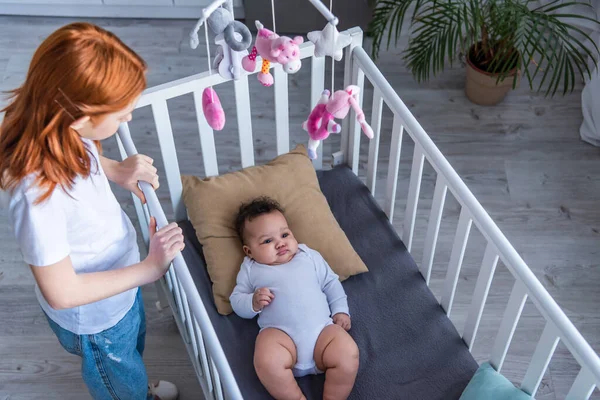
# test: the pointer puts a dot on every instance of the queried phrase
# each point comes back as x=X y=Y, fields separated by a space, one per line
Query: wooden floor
x=522 y=159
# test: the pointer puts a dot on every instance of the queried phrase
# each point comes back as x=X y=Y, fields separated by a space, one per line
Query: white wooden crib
x=178 y=290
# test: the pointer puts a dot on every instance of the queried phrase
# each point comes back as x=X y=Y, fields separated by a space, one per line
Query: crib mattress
x=409 y=349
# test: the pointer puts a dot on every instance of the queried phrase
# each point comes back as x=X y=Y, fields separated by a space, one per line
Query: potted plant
x=499 y=39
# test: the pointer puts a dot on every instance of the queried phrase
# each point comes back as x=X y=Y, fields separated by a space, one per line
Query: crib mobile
x=234 y=38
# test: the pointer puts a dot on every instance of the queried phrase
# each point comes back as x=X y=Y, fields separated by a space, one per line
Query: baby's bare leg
x=336 y=353
x=274 y=357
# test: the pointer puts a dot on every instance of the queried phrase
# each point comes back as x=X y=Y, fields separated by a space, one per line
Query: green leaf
x=581 y=60
x=531 y=47
x=555 y=80
x=541 y=8
x=569 y=77
x=551 y=60
x=547 y=10
x=589 y=53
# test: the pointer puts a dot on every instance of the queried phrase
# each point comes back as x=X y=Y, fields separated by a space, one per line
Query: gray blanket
x=409 y=349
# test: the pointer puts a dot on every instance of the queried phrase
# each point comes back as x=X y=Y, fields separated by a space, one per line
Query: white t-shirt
x=87 y=224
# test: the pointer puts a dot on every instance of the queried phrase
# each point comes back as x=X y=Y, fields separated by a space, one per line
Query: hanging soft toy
x=218 y=18
x=273 y=48
x=329 y=42
x=231 y=36
x=321 y=121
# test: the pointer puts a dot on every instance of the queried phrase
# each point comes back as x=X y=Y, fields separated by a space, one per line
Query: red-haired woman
x=81 y=84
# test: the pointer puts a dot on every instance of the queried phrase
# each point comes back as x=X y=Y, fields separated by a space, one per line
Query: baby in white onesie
x=302 y=307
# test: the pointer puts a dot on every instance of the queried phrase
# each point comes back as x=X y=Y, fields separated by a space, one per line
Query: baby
x=302 y=307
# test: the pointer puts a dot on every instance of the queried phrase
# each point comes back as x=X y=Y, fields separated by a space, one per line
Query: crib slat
x=191 y=334
x=482 y=287
x=540 y=360
x=186 y=314
x=203 y=356
x=508 y=324
x=358 y=79
x=456 y=258
x=207 y=139
x=216 y=380
x=147 y=215
x=414 y=189
x=317 y=85
x=374 y=143
x=433 y=226
x=349 y=75
x=169 y=280
x=282 y=118
x=177 y=290
x=393 y=166
x=168 y=152
x=244 y=117
x=583 y=386
x=139 y=210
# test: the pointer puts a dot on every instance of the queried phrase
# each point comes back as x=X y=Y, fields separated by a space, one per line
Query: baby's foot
x=312 y=154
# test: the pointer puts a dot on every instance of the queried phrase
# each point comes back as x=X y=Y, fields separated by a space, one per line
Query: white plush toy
x=329 y=42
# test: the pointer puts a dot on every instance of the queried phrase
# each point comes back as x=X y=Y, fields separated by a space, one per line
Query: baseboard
x=107 y=11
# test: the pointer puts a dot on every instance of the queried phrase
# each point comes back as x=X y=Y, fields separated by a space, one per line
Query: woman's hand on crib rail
x=130 y=171
x=164 y=245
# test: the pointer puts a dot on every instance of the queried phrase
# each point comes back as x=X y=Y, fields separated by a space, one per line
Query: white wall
x=111 y=8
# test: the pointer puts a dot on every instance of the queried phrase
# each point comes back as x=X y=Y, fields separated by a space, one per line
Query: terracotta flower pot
x=481 y=87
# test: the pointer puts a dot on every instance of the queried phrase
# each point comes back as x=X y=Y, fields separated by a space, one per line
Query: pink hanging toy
x=321 y=121
x=273 y=48
x=213 y=111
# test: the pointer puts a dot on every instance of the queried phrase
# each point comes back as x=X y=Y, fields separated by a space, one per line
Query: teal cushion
x=487 y=384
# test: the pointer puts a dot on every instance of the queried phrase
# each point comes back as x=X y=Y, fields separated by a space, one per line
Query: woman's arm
x=63 y=288
x=108 y=166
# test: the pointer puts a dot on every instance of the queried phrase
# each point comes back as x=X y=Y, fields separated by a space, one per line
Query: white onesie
x=307 y=294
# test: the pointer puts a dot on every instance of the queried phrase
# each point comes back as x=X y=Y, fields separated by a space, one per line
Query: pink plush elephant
x=321 y=121
x=273 y=48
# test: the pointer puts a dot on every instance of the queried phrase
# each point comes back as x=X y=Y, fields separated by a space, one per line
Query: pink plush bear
x=273 y=48
x=321 y=121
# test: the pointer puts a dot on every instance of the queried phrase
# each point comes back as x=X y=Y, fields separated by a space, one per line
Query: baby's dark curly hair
x=249 y=211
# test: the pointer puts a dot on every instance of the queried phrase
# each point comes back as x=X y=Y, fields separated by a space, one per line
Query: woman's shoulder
x=22 y=188
x=27 y=190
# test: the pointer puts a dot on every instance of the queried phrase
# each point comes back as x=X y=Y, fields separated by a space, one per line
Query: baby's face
x=268 y=240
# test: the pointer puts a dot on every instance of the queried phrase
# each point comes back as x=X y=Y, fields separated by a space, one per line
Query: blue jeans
x=112 y=365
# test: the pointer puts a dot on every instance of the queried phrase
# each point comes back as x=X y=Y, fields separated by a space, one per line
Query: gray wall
x=299 y=16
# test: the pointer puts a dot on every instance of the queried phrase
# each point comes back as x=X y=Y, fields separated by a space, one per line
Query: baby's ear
x=247 y=251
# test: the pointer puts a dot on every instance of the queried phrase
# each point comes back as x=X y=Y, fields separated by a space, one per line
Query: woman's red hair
x=79 y=70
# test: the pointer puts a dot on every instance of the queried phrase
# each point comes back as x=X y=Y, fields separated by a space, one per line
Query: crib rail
x=189 y=311
x=558 y=326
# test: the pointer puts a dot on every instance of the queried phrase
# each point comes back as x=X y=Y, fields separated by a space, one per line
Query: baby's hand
x=342 y=320
x=262 y=298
